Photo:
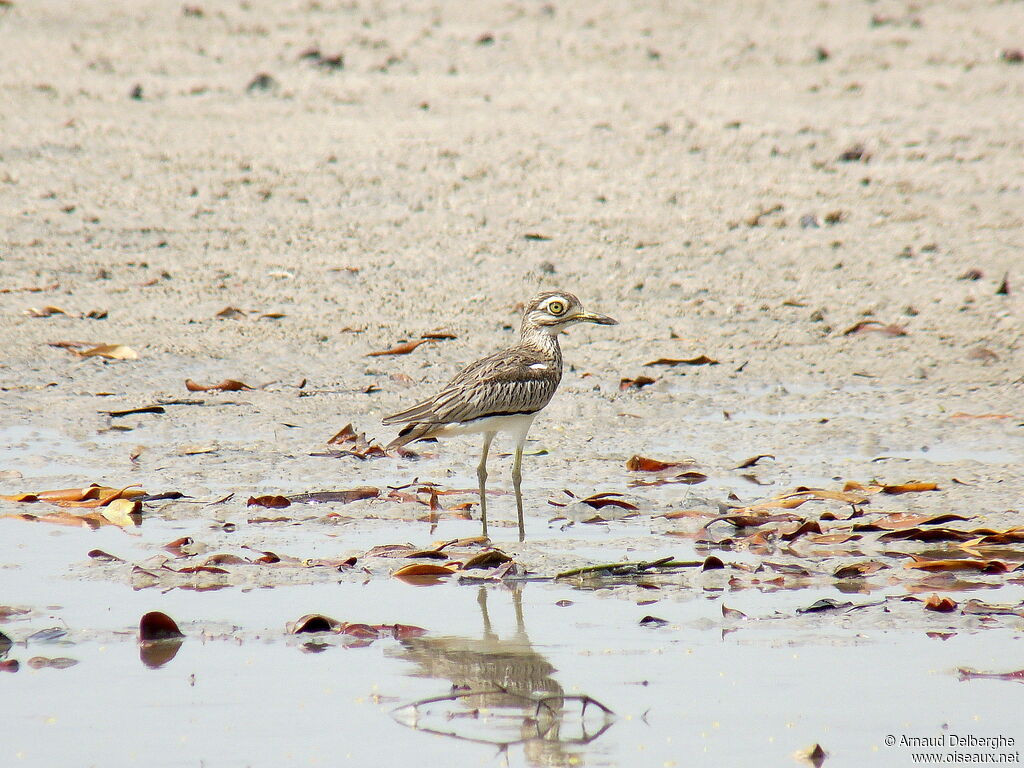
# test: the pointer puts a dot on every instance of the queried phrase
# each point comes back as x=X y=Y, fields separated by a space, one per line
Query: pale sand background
x=394 y=196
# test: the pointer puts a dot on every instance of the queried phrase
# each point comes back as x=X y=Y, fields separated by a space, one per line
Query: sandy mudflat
x=682 y=164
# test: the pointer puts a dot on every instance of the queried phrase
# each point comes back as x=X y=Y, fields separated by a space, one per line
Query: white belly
x=518 y=425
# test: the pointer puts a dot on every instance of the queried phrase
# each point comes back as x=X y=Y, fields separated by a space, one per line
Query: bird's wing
x=503 y=383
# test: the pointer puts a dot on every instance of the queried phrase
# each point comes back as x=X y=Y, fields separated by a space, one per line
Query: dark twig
x=625 y=569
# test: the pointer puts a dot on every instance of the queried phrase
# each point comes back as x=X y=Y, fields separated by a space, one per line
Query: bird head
x=554 y=311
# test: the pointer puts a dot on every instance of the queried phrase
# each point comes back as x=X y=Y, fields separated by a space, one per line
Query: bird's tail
x=409 y=433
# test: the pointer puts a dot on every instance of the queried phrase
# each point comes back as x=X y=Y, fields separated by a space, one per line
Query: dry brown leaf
x=644 y=464
x=489 y=558
x=201 y=569
x=686 y=513
x=313 y=622
x=430 y=554
x=927 y=534
x=866 y=326
x=741 y=520
x=228 y=385
x=389 y=550
x=685 y=478
x=792 y=532
x=155 y=626
x=197 y=449
x=977 y=607
x=419 y=570
x=346 y=434
x=900 y=520
x=989 y=537
x=102 y=497
x=270 y=502
x=91 y=491
x=801 y=496
x=940 y=604
x=109 y=352
x=822 y=493
x=753 y=460
x=225 y=558
x=848 y=514
x=103 y=557
x=732 y=613
x=46 y=311
x=672 y=361
x=635 y=383
x=601 y=500
x=360 y=446
x=177 y=546
x=360 y=631
x=833 y=538
x=400 y=349
x=27 y=498
x=340 y=497
x=892 y=490
x=895 y=490
x=31 y=288
x=983 y=566
x=857 y=570
x=122 y=512
x=469 y=541
x=401 y=631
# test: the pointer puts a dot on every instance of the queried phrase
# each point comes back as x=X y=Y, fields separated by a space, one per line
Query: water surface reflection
x=503 y=692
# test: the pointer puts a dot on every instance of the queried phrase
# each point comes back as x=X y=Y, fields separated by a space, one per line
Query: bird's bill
x=593 y=317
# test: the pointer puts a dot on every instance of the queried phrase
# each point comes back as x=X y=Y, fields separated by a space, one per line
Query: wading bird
x=503 y=392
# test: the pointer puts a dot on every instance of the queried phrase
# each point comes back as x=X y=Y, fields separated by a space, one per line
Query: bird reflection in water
x=502 y=692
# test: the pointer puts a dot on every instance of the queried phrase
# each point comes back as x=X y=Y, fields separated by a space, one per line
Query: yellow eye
x=556 y=308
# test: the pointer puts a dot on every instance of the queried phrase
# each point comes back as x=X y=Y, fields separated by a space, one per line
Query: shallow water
x=41 y=452
x=702 y=689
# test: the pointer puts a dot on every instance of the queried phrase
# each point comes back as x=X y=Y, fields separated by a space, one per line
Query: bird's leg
x=481 y=474
x=481 y=600
x=517 y=481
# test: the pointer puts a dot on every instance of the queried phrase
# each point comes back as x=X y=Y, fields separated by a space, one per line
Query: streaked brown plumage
x=503 y=391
